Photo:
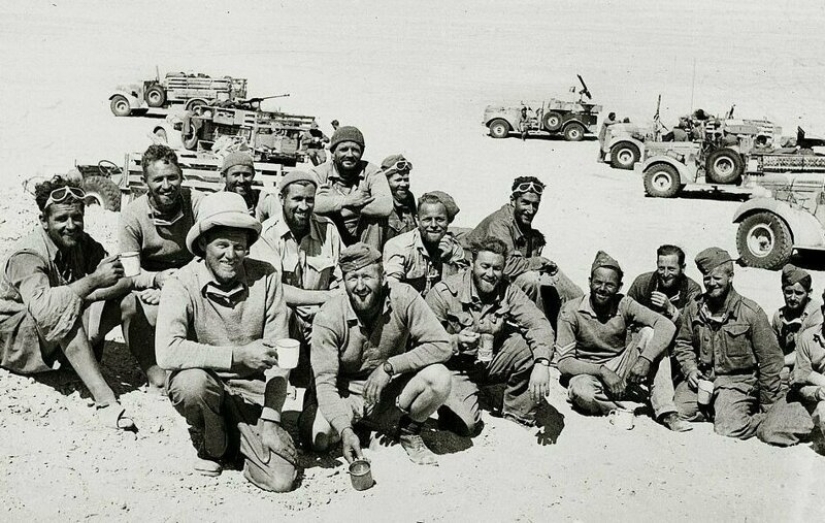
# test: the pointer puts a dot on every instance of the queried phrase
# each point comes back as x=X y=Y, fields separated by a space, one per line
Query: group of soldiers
x=399 y=316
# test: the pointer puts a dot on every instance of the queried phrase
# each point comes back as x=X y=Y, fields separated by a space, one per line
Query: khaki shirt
x=407 y=260
x=787 y=331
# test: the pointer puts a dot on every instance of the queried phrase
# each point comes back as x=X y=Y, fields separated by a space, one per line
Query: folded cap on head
x=791 y=274
x=237 y=158
x=222 y=209
x=357 y=256
x=711 y=258
x=605 y=260
x=346 y=133
x=296 y=176
x=446 y=200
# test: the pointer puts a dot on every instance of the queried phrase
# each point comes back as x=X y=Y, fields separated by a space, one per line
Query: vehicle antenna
x=693 y=86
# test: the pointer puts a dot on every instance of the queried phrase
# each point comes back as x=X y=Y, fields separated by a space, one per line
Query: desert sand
x=415 y=77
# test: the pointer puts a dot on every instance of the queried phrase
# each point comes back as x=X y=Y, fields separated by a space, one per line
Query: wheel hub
x=662 y=181
x=760 y=240
x=625 y=156
x=723 y=166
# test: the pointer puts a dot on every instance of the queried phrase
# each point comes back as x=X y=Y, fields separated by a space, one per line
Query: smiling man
x=667 y=290
x=238 y=174
x=352 y=192
x=605 y=360
x=219 y=320
x=376 y=356
x=800 y=313
x=537 y=276
x=402 y=218
x=60 y=294
x=425 y=255
x=727 y=339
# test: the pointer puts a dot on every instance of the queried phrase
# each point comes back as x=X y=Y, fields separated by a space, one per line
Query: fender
x=134 y=101
x=514 y=124
x=807 y=232
x=625 y=138
x=684 y=174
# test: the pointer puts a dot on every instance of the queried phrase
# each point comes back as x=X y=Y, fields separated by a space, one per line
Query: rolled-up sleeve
x=394 y=259
x=379 y=189
x=130 y=237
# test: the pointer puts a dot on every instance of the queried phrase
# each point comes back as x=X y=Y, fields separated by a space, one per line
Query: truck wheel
x=764 y=241
x=102 y=191
x=155 y=96
x=662 y=181
x=188 y=135
x=574 y=132
x=624 y=155
x=552 y=121
x=724 y=166
x=499 y=128
x=191 y=104
x=120 y=106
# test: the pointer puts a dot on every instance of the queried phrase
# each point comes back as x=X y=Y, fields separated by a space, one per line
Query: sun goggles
x=65 y=193
x=535 y=187
x=401 y=165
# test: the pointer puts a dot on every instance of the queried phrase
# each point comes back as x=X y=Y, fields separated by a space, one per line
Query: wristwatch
x=543 y=361
x=387 y=367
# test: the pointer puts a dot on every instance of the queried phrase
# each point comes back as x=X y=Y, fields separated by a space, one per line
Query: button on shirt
x=787 y=330
x=344 y=351
x=406 y=259
x=457 y=306
x=583 y=337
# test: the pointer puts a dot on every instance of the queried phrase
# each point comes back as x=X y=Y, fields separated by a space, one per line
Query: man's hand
x=358 y=199
x=351 y=445
x=375 y=385
x=150 y=296
x=693 y=379
x=662 y=302
x=446 y=246
x=108 y=272
x=278 y=441
x=160 y=278
x=539 y=382
x=256 y=356
x=615 y=384
x=468 y=339
x=640 y=371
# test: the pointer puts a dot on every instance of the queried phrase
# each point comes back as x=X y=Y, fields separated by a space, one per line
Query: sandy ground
x=415 y=78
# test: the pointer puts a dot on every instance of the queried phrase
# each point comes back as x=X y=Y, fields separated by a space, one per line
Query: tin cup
x=288 y=352
x=485 y=348
x=131 y=263
x=622 y=418
x=360 y=473
x=704 y=392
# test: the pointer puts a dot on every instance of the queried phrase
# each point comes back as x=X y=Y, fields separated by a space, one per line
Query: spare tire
x=155 y=96
x=552 y=121
x=101 y=191
x=724 y=166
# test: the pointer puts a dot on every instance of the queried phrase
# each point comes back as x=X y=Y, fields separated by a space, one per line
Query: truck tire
x=574 y=132
x=191 y=104
x=662 y=181
x=624 y=155
x=552 y=121
x=188 y=135
x=499 y=128
x=120 y=106
x=155 y=96
x=764 y=241
x=724 y=166
x=102 y=191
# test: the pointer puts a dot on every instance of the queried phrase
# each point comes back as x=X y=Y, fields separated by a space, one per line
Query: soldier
x=352 y=192
x=314 y=139
x=605 y=362
x=538 y=277
x=219 y=320
x=238 y=173
x=480 y=303
x=376 y=356
x=60 y=294
x=402 y=218
x=668 y=289
x=155 y=225
x=425 y=255
x=305 y=250
x=726 y=339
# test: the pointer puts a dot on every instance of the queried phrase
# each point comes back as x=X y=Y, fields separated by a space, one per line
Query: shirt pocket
x=319 y=272
x=738 y=350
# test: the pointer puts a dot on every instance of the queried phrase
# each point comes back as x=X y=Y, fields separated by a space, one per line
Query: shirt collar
x=51 y=249
x=282 y=229
x=362 y=173
x=810 y=308
x=587 y=308
x=352 y=317
x=208 y=282
x=154 y=214
x=468 y=293
x=730 y=309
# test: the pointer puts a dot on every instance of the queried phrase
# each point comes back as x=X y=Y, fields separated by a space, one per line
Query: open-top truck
x=188 y=90
x=546 y=117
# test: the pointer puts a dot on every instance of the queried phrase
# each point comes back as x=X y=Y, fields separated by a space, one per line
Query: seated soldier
x=155 y=226
x=376 y=356
x=427 y=254
x=605 y=363
x=537 y=276
x=305 y=250
x=402 y=218
x=667 y=290
x=726 y=339
x=480 y=302
x=60 y=294
x=237 y=174
x=220 y=317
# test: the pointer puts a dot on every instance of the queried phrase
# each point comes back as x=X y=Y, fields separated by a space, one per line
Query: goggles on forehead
x=401 y=165
x=65 y=193
x=535 y=187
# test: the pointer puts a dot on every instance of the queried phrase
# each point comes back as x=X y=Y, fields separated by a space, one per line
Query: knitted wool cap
x=346 y=134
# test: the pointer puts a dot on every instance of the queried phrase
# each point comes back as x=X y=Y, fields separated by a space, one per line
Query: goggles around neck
x=63 y=194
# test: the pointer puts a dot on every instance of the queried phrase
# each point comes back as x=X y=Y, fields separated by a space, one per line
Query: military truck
x=188 y=90
x=545 y=117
